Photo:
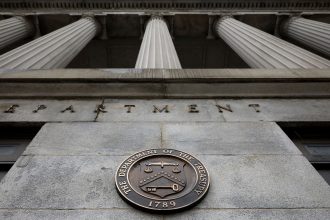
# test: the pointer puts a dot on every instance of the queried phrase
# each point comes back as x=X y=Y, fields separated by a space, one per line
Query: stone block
x=264 y=182
x=62 y=182
x=96 y=214
x=228 y=138
x=95 y=138
x=237 y=182
x=253 y=214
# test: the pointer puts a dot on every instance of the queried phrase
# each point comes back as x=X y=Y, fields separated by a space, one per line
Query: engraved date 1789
x=162 y=204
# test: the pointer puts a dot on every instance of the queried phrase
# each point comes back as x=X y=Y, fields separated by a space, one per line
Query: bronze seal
x=162 y=179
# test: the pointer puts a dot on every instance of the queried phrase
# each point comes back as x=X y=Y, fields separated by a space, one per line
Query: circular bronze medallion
x=162 y=179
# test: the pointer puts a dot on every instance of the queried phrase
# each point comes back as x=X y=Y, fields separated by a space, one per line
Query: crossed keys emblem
x=162 y=178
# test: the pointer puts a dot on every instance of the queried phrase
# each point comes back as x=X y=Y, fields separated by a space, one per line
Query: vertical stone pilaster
x=54 y=50
x=157 y=49
x=262 y=50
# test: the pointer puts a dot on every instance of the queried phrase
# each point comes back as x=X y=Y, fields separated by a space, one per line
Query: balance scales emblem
x=162 y=178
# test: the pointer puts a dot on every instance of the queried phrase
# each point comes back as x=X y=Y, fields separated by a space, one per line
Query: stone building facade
x=242 y=85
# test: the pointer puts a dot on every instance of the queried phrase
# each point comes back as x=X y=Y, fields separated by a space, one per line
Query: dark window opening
x=13 y=141
x=314 y=142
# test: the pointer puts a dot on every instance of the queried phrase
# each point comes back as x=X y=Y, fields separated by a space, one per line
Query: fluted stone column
x=14 y=29
x=314 y=34
x=157 y=49
x=262 y=50
x=54 y=50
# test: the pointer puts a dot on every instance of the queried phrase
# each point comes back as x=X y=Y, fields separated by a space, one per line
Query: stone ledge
x=167 y=75
x=178 y=84
x=112 y=214
x=253 y=214
x=161 y=90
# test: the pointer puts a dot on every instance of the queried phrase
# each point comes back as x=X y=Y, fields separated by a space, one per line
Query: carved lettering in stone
x=100 y=108
x=193 y=108
x=11 y=109
x=221 y=108
x=255 y=107
x=70 y=109
x=164 y=109
x=39 y=107
x=129 y=108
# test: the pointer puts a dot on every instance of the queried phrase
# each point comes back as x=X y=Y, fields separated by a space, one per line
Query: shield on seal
x=162 y=178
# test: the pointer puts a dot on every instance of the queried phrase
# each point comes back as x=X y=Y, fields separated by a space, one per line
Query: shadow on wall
x=14 y=138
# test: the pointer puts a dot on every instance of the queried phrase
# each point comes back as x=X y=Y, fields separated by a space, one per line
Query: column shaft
x=262 y=50
x=157 y=49
x=313 y=34
x=14 y=29
x=54 y=50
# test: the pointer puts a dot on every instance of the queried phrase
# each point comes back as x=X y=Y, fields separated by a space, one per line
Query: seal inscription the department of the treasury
x=162 y=179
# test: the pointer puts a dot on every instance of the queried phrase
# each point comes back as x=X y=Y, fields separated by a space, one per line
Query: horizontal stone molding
x=163 y=5
x=165 y=84
x=165 y=75
x=165 y=90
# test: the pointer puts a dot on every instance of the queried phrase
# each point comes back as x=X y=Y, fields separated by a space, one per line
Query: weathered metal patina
x=162 y=180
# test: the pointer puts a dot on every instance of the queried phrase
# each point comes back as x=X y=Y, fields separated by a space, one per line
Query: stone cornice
x=134 y=83
x=176 y=5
